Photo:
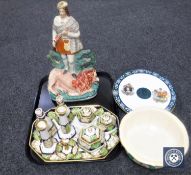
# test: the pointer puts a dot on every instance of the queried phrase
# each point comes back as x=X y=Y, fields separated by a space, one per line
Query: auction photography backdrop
x=124 y=34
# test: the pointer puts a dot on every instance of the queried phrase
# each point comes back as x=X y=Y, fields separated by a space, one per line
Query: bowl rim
x=133 y=152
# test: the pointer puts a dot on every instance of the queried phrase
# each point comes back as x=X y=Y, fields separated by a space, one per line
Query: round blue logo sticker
x=174 y=157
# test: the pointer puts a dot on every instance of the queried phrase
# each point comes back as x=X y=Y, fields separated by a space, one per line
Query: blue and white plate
x=144 y=83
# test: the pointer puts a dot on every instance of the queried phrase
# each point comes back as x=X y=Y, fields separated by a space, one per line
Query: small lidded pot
x=48 y=146
x=87 y=115
x=107 y=121
x=49 y=123
x=62 y=111
x=42 y=127
x=91 y=138
x=41 y=115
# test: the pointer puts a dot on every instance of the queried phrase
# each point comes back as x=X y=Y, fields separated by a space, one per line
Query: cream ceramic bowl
x=144 y=132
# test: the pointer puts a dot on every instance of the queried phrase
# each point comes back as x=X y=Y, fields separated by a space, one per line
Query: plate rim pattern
x=125 y=108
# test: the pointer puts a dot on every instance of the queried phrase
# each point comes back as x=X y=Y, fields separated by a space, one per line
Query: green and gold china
x=78 y=140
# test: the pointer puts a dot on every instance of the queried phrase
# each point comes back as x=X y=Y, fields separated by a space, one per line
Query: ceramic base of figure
x=83 y=86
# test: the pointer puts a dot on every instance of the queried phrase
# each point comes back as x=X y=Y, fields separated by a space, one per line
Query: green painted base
x=86 y=96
